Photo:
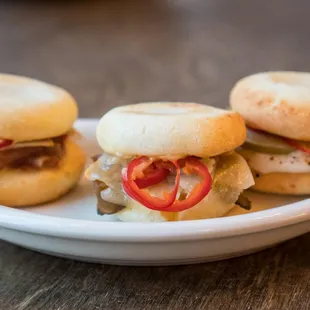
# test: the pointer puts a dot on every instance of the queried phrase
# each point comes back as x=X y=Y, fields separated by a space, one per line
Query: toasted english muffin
x=33 y=110
x=170 y=128
x=276 y=102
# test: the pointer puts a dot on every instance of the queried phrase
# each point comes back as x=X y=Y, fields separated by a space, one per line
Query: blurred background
x=114 y=52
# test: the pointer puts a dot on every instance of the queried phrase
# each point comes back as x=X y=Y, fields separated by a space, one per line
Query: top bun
x=33 y=110
x=277 y=102
x=170 y=129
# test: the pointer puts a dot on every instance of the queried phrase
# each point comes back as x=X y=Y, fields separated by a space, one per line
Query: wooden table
x=109 y=53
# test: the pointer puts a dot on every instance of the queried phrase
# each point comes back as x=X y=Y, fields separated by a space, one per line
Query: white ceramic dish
x=71 y=228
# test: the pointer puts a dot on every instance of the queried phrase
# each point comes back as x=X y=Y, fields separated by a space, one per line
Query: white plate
x=71 y=228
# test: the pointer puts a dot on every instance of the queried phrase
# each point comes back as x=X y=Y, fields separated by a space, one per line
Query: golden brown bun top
x=277 y=102
x=33 y=110
x=170 y=129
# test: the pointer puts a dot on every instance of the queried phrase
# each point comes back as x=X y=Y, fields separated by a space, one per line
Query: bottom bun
x=283 y=183
x=20 y=188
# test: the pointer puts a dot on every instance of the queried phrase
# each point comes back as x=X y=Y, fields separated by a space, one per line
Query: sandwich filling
x=267 y=153
x=37 y=154
x=172 y=186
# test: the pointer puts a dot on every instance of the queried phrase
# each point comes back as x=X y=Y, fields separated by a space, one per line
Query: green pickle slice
x=266 y=143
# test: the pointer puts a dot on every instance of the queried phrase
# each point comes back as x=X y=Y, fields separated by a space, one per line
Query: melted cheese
x=295 y=162
x=230 y=173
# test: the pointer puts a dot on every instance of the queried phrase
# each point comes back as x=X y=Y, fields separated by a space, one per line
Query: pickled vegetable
x=266 y=143
x=232 y=176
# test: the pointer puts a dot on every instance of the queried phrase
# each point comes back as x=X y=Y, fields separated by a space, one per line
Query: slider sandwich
x=39 y=159
x=276 y=109
x=169 y=162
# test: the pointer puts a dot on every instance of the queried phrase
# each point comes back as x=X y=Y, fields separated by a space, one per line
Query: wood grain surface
x=109 y=53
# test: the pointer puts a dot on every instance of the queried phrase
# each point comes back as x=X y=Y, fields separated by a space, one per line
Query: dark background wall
x=109 y=53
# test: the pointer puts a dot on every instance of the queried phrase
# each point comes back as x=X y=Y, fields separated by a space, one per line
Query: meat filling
x=33 y=157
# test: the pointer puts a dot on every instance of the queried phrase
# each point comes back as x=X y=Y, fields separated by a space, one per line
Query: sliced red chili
x=301 y=146
x=141 y=195
x=200 y=191
x=5 y=143
x=153 y=175
x=190 y=165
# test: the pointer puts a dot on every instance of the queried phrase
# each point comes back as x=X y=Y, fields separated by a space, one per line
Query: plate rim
x=29 y=222
x=25 y=221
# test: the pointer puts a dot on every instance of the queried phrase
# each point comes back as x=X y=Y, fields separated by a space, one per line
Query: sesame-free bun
x=20 y=188
x=277 y=102
x=170 y=129
x=33 y=110
x=283 y=183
